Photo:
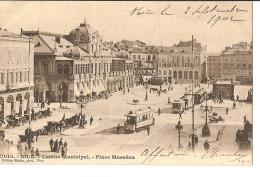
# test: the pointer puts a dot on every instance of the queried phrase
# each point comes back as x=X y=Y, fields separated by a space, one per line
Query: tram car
x=178 y=106
x=199 y=96
x=139 y=120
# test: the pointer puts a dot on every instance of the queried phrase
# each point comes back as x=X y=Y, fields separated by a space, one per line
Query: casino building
x=16 y=74
x=77 y=62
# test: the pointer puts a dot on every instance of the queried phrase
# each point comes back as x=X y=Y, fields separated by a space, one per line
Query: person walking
x=65 y=144
x=56 y=144
x=227 y=110
x=237 y=98
x=51 y=142
x=168 y=99
x=159 y=111
x=148 y=130
x=32 y=152
x=63 y=151
x=118 y=129
x=36 y=136
x=26 y=150
x=180 y=115
x=91 y=120
x=206 y=145
x=244 y=118
x=60 y=144
x=37 y=153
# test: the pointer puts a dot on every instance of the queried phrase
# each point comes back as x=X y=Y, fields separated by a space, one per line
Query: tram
x=155 y=81
x=199 y=96
x=139 y=120
x=178 y=106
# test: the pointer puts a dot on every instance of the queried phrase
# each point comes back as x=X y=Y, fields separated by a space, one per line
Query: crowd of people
x=58 y=146
x=27 y=151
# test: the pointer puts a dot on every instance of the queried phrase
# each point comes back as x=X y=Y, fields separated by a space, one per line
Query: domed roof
x=80 y=34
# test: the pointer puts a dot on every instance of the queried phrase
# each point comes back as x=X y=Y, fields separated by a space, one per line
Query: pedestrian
x=26 y=150
x=63 y=117
x=244 y=118
x=168 y=99
x=19 y=148
x=51 y=142
x=237 y=98
x=36 y=135
x=63 y=151
x=196 y=139
x=60 y=144
x=124 y=92
x=65 y=144
x=55 y=147
x=32 y=115
x=227 y=110
x=32 y=152
x=118 y=129
x=159 y=111
x=91 y=120
x=148 y=130
x=206 y=145
x=41 y=105
x=37 y=153
x=180 y=115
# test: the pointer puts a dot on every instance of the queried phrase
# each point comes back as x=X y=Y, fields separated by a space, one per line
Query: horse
x=153 y=89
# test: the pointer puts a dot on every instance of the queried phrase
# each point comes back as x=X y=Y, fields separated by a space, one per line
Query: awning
x=76 y=91
x=81 y=88
x=87 y=90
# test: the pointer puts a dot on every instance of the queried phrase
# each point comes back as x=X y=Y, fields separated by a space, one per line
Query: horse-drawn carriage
x=242 y=136
x=24 y=138
x=215 y=119
x=13 y=121
x=51 y=127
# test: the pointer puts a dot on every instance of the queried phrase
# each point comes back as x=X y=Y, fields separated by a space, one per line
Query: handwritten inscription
x=215 y=13
x=215 y=153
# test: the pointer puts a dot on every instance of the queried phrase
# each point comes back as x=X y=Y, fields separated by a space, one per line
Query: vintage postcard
x=137 y=83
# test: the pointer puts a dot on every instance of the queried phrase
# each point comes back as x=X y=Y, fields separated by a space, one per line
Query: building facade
x=16 y=74
x=74 y=63
x=175 y=63
x=234 y=63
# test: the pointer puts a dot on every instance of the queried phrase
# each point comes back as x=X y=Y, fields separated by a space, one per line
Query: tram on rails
x=139 y=120
x=199 y=96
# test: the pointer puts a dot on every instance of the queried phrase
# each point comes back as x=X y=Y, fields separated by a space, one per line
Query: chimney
x=21 y=31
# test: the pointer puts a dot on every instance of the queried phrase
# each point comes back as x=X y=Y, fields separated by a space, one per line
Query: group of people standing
x=27 y=151
x=58 y=146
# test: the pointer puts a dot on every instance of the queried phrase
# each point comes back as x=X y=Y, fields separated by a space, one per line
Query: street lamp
x=205 y=129
x=81 y=117
x=179 y=127
x=61 y=93
x=146 y=86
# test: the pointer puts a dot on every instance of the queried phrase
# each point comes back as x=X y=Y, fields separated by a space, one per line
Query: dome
x=80 y=34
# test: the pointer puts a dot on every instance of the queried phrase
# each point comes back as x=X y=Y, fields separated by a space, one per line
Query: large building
x=16 y=74
x=234 y=63
x=175 y=63
x=74 y=63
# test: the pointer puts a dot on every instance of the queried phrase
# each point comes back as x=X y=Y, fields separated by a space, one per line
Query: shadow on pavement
x=114 y=131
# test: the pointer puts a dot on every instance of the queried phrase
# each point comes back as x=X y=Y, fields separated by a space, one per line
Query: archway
x=10 y=109
x=19 y=105
x=27 y=103
x=64 y=90
x=2 y=109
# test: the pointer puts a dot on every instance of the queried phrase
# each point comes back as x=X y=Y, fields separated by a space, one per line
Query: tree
x=40 y=82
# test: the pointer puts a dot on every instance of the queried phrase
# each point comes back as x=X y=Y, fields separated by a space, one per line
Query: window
x=139 y=57
x=249 y=66
x=66 y=69
x=175 y=75
x=244 y=66
x=185 y=75
x=190 y=74
x=134 y=57
x=196 y=76
x=185 y=64
x=164 y=72
x=17 y=77
x=20 y=76
x=160 y=72
x=60 y=69
x=170 y=72
x=180 y=75
x=92 y=47
x=238 y=66
x=12 y=77
x=99 y=67
x=95 y=68
x=45 y=67
x=2 y=78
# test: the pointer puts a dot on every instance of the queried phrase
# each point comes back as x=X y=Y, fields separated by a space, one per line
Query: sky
x=114 y=22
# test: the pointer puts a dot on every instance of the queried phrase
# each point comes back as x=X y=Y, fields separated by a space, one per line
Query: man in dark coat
x=159 y=111
x=148 y=130
x=206 y=145
x=51 y=142
x=60 y=144
x=118 y=129
x=56 y=144
x=91 y=120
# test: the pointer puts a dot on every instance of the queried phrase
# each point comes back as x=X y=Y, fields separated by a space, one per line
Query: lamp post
x=146 y=86
x=205 y=129
x=81 y=117
x=61 y=93
x=179 y=127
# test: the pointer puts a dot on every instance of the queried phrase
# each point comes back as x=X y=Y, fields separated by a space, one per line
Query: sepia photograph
x=126 y=83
